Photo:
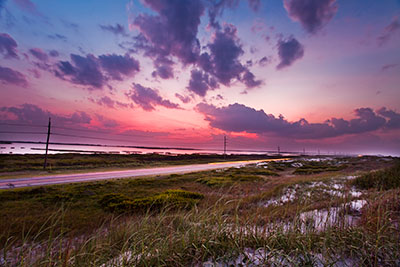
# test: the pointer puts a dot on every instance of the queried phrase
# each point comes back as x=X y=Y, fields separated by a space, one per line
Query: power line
x=21 y=133
x=96 y=131
x=20 y=124
x=89 y=137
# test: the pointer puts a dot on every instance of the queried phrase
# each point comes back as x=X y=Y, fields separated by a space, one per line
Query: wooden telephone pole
x=224 y=146
x=47 y=144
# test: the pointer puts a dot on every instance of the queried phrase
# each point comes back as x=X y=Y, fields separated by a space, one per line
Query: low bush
x=170 y=198
x=384 y=179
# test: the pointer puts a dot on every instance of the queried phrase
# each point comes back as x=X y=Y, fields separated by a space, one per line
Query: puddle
x=335 y=188
x=288 y=195
x=335 y=216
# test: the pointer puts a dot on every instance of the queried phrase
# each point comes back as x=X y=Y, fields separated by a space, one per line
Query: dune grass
x=385 y=179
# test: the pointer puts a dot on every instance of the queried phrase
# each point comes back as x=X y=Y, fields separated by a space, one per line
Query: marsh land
x=303 y=211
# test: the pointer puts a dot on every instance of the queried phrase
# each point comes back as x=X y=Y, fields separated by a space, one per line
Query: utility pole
x=279 y=150
x=304 y=151
x=47 y=144
x=224 y=146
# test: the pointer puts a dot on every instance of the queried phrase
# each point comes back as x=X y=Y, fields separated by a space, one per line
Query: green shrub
x=170 y=198
x=384 y=179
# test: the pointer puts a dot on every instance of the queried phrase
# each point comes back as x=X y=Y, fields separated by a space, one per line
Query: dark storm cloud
x=83 y=70
x=289 y=51
x=148 y=98
x=8 y=46
x=173 y=31
x=117 y=65
x=312 y=14
x=240 y=118
x=39 y=54
x=10 y=76
x=95 y=72
x=389 y=31
x=32 y=114
x=118 y=29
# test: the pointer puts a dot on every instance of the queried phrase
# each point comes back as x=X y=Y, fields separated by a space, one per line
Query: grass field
x=265 y=214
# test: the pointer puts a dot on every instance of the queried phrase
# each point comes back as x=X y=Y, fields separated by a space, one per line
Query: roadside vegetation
x=260 y=214
x=10 y=163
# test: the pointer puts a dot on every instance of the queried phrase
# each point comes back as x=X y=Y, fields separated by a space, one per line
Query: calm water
x=17 y=148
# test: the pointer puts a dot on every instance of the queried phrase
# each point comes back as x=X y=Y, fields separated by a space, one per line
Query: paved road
x=94 y=176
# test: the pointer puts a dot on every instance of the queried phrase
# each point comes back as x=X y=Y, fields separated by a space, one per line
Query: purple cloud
x=70 y=25
x=184 y=99
x=389 y=66
x=32 y=114
x=8 y=46
x=240 y=118
x=39 y=54
x=106 y=101
x=57 y=36
x=200 y=83
x=54 y=53
x=10 y=76
x=389 y=31
x=263 y=62
x=95 y=72
x=254 y=4
x=225 y=51
x=118 y=29
x=83 y=70
x=216 y=9
x=393 y=118
x=148 y=98
x=312 y=14
x=2 y=4
x=117 y=65
x=249 y=80
x=223 y=60
x=164 y=68
x=289 y=51
x=173 y=31
x=27 y=5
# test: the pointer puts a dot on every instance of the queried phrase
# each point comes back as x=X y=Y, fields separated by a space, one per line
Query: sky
x=298 y=74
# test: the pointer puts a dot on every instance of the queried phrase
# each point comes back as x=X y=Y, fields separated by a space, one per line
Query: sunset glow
x=320 y=75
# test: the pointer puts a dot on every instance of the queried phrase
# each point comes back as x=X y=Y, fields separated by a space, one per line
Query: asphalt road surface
x=95 y=176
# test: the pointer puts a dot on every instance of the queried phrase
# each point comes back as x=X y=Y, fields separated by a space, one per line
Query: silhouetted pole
x=224 y=146
x=279 y=150
x=47 y=144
